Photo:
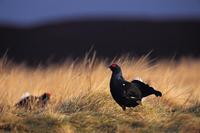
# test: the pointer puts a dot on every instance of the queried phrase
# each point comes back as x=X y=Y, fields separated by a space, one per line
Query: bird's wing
x=140 y=84
x=144 y=88
x=131 y=91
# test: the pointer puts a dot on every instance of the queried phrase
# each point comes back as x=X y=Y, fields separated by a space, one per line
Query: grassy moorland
x=81 y=101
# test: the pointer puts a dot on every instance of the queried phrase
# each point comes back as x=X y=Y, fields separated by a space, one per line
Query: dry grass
x=81 y=101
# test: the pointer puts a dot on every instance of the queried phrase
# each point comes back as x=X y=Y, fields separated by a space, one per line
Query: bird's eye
x=123 y=84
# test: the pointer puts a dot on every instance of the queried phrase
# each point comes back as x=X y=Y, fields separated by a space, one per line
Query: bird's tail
x=26 y=94
x=158 y=93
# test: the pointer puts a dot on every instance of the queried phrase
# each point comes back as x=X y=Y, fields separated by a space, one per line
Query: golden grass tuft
x=81 y=101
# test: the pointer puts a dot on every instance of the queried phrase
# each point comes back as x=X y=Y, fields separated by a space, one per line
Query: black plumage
x=122 y=91
x=128 y=94
x=145 y=89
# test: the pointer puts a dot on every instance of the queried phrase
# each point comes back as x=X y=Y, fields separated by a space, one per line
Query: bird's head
x=115 y=68
x=46 y=95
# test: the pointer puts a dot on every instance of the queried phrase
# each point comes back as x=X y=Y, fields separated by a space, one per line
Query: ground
x=81 y=100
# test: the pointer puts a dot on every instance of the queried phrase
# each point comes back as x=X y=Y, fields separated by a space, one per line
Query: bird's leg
x=123 y=107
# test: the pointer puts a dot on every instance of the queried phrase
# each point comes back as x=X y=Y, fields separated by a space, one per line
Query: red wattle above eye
x=113 y=65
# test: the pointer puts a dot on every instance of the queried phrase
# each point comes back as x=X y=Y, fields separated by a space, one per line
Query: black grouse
x=123 y=92
x=128 y=94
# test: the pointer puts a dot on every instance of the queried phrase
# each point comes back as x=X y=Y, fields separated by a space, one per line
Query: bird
x=122 y=91
x=29 y=102
x=128 y=94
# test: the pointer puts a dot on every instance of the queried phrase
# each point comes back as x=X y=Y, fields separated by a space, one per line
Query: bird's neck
x=115 y=84
x=117 y=76
x=116 y=80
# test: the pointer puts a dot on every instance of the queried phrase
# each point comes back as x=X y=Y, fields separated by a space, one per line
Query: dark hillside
x=109 y=38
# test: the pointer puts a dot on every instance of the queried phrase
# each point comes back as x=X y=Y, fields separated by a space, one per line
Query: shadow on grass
x=91 y=121
x=195 y=109
x=31 y=123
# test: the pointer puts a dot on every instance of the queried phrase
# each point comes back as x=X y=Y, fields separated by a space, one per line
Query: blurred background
x=47 y=30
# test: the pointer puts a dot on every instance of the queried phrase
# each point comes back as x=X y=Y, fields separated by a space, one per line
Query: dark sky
x=27 y=12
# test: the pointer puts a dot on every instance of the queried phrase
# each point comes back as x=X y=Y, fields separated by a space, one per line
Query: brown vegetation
x=81 y=101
